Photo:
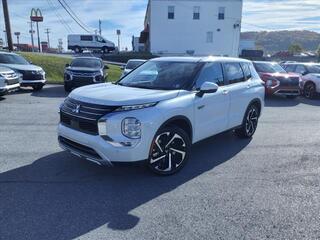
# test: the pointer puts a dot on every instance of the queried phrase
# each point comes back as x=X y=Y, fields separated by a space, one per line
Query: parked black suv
x=84 y=71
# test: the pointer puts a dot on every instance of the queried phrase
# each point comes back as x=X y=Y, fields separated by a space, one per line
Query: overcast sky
x=128 y=15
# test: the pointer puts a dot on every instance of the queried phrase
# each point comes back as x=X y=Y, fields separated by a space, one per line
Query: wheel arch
x=180 y=121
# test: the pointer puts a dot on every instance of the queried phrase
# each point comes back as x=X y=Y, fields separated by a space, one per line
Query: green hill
x=275 y=41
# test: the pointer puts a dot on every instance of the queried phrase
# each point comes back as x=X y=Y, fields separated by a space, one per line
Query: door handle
x=225 y=92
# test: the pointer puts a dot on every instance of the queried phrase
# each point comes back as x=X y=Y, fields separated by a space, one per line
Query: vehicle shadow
x=63 y=197
x=51 y=91
x=278 y=101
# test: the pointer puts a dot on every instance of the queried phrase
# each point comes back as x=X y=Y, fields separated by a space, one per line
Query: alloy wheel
x=168 y=153
x=309 y=91
x=251 y=121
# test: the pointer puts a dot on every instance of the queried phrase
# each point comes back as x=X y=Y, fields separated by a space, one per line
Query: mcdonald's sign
x=36 y=15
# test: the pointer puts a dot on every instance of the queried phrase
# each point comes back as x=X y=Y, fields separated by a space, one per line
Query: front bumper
x=283 y=91
x=31 y=83
x=9 y=88
x=96 y=149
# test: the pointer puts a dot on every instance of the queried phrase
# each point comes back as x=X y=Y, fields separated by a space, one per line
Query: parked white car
x=79 y=42
x=9 y=80
x=158 y=110
x=131 y=64
x=31 y=75
x=310 y=75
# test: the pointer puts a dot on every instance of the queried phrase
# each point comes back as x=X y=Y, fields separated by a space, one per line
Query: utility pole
x=39 y=46
x=99 y=27
x=31 y=31
x=47 y=32
x=7 y=23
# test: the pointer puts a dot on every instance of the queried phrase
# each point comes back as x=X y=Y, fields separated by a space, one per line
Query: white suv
x=159 y=109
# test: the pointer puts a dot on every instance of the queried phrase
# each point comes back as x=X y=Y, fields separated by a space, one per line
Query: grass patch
x=54 y=67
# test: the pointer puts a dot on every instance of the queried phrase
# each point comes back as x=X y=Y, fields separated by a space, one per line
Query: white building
x=195 y=27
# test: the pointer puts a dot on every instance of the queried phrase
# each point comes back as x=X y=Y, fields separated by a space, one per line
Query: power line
x=75 y=15
x=83 y=27
x=60 y=18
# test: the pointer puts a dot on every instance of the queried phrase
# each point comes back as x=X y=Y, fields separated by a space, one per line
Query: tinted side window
x=86 y=38
x=211 y=72
x=233 y=73
x=246 y=70
x=301 y=69
x=290 y=68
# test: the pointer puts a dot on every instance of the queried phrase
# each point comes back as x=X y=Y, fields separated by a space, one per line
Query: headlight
x=131 y=128
x=135 y=107
x=272 y=82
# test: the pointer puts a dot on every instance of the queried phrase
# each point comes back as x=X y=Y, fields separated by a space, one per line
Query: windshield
x=269 y=68
x=133 y=64
x=86 y=62
x=13 y=59
x=314 y=69
x=161 y=75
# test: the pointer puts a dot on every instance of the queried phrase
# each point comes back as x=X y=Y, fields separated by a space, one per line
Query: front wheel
x=309 y=90
x=169 y=151
x=37 y=87
x=250 y=122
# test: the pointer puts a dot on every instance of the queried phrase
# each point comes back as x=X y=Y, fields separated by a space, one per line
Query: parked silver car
x=9 y=80
x=32 y=75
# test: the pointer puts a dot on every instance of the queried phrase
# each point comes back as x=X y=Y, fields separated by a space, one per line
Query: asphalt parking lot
x=267 y=187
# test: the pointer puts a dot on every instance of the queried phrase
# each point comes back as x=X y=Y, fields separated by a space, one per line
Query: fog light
x=131 y=128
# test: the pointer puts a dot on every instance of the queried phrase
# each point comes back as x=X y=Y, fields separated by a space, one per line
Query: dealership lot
x=268 y=187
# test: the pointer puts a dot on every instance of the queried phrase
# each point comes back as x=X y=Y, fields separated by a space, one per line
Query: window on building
x=221 y=14
x=234 y=73
x=211 y=72
x=170 y=12
x=86 y=38
x=196 y=12
x=209 y=37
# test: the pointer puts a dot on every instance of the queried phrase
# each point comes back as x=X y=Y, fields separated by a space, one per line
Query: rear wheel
x=250 y=122
x=169 y=151
x=77 y=50
x=309 y=90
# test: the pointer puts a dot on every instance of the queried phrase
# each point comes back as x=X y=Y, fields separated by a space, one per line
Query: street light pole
x=31 y=33
x=39 y=47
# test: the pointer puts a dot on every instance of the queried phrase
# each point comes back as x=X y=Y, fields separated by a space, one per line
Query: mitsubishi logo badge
x=77 y=109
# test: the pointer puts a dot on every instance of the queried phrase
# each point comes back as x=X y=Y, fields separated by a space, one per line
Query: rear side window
x=86 y=38
x=211 y=72
x=246 y=70
x=233 y=73
x=290 y=68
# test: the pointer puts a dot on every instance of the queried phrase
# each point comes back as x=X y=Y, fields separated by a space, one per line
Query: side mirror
x=122 y=67
x=207 y=87
x=105 y=67
x=304 y=73
x=67 y=65
x=30 y=62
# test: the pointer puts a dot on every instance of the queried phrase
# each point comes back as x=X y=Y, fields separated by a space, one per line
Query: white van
x=79 y=42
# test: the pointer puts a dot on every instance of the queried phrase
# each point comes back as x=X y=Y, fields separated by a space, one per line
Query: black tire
x=105 y=50
x=169 y=151
x=77 y=50
x=67 y=88
x=37 y=87
x=309 y=90
x=249 y=123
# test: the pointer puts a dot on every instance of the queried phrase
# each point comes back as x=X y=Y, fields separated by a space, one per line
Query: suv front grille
x=292 y=81
x=83 y=116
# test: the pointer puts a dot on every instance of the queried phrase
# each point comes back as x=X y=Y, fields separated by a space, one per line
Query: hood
x=22 y=67
x=5 y=70
x=115 y=95
x=276 y=75
x=83 y=69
